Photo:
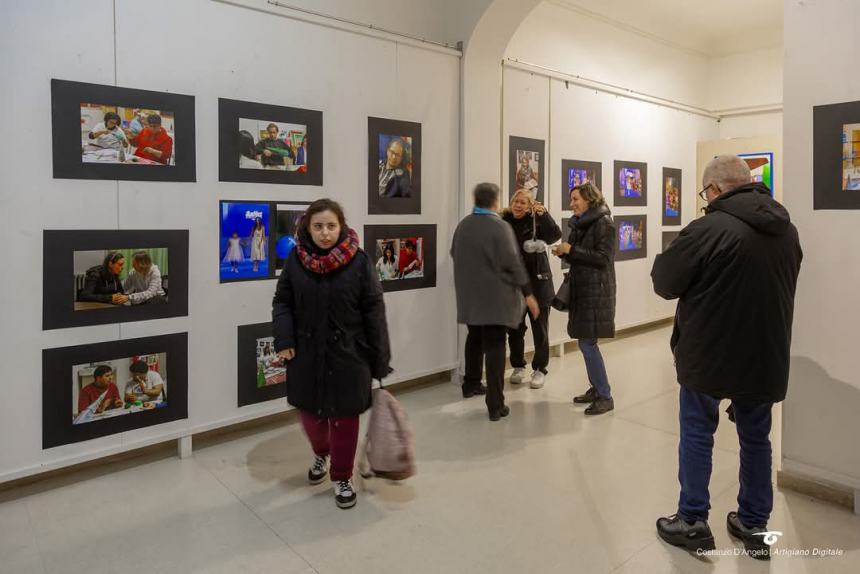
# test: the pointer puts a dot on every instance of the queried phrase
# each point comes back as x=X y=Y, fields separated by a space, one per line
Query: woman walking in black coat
x=590 y=251
x=329 y=325
x=532 y=223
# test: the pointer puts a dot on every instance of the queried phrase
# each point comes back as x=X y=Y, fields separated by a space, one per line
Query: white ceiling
x=708 y=27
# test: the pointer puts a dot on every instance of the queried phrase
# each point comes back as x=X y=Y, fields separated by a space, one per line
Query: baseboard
x=825 y=491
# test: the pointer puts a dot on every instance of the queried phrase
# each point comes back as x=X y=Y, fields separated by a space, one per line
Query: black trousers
x=486 y=343
x=540 y=334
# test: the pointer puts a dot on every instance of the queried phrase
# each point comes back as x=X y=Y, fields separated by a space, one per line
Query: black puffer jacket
x=592 y=270
x=537 y=264
x=735 y=272
x=100 y=285
x=336 y=323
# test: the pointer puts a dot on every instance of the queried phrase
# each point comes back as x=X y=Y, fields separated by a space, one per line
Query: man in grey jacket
x=493 y=290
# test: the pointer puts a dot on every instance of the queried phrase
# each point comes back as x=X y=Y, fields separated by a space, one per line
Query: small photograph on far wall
x=262 y=373
x=100 y=389
x=400 y=258
x=632 y=238
x=393 y=166
x=264 y=144
x=106 y=389
x=668 y=238
x=836 y=156
x=526 y=166
x=244 y=241
x=404 y=256
x=851 y=157
x=573 y=173
x=671 y=196
x=761 y=167
x=631 y=184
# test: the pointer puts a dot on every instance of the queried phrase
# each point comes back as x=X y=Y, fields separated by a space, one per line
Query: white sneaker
x=344 y=494
x=318 y=470
x=537 y=380
x=518 y=376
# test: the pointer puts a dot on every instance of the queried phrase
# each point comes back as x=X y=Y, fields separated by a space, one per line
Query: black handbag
x=561 y=301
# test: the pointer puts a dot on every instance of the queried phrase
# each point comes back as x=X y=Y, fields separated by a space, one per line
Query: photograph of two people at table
x=111 y=283
x=97 y=395
x=114 y=134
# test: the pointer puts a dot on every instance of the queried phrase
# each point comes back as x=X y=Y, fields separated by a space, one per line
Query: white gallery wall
x=209 y=50
x=743 y=81
x=820 y=422
x=584 y=124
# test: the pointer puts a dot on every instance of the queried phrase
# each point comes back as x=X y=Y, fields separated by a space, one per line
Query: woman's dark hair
x=112 y=116
x=153 y=120
x=388 y=247
x=319 y=206
x=590 y=193
x=246 y=144
x=258 y=223
x=486 y=195
x=112 y=257
x=409 y=243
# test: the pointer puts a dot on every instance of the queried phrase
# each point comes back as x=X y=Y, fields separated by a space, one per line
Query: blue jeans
x=594 y=367
x=699 y=418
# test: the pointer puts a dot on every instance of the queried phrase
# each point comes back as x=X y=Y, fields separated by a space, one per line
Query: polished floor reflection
x=544 y=490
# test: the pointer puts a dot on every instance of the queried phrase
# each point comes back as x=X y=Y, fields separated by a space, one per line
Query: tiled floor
x=545 y=490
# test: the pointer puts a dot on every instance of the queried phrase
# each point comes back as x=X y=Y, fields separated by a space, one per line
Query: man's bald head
x=727 y=172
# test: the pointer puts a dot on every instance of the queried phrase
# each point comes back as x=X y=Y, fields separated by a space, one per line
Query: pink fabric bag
x=388 y=449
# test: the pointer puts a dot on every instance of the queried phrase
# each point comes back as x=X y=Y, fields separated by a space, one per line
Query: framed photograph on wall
x=526 y=166
x=106 y=132
x=96 y=277
x=255 y=238
x=393 y=167
x=631 y=184
x=100 y=389
x=404 y=256
x=632 y=239
x=836 y=156
x=575 y=172
x=761 y=167
x=262 y=143
x=668 y=238
x=671 y=196
x=262 y=373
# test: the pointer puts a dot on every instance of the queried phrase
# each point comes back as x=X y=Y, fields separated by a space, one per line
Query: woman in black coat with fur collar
x=590 y=251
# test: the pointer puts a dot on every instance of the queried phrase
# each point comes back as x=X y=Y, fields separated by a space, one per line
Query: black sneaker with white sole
x=678 y=532
x=318 y=470
x=752 y=537
x=344 y=494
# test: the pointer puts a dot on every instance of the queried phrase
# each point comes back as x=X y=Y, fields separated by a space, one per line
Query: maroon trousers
x=336 y=437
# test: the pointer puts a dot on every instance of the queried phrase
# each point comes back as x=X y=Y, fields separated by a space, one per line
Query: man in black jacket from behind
x=734 y=272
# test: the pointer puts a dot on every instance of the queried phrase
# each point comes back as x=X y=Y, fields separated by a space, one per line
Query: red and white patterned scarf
x=337 y=257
